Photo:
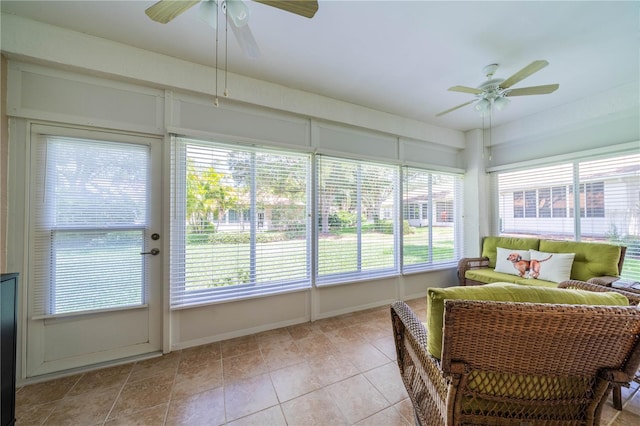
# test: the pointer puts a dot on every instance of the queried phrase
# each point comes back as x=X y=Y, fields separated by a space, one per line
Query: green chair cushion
x=505 y=292
x=490 y=246
x=591 y=260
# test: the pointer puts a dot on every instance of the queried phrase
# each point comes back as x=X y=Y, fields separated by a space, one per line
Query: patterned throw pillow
x=511 y=261
x=555 y=267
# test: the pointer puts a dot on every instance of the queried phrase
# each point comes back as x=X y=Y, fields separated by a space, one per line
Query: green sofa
x=592 y=260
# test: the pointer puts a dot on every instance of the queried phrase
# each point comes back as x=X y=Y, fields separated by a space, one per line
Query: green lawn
x=221 y=264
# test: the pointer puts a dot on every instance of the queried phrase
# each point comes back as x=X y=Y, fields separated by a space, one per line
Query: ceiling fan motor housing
x=491 y=88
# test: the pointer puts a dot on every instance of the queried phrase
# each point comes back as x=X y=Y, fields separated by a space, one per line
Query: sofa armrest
x=634 y=298
x=604 y=280
x=467 y=263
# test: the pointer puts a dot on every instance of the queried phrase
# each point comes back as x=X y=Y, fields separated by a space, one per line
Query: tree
x=207 y=197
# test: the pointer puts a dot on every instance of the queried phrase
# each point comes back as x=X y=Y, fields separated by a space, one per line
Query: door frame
x=25 y=144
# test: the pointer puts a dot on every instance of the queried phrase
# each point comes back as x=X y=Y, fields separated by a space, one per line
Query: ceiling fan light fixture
x=483 y=106
x=501 y=103
x=208 y=12
x=238 y=12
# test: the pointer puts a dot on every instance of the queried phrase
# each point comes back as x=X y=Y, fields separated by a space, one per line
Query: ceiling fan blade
x=306 y=8
x=166 y=10
x=245 y=39
x=533 y=90
x=525 y=72
x=465 y=89
x=455 y=108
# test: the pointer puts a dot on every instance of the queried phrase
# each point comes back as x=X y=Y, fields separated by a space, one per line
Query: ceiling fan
x=236 y=11
x=495 y=91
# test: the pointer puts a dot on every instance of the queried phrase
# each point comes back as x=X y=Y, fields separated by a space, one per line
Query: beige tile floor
x=337 y=371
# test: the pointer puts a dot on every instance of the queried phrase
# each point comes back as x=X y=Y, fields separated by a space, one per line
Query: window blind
x=609 y=206
x=239 y=222
x=596 y=200
x=432 y=204
x=537 y=202
x=357 y=220
x=90 y=204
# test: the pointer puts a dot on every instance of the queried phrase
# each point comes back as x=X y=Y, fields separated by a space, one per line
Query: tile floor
x=337 y=371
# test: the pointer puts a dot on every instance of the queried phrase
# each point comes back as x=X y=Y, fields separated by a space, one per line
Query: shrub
x=342 y=219
x=244 y=237
x=406 y=228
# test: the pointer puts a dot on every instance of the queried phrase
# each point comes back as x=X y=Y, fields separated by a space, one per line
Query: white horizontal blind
x=432 y=203
x=597 y=200
x=239 y=224
x=610 y=206
x=537 y=202
x=90 y=209
x=357 y=220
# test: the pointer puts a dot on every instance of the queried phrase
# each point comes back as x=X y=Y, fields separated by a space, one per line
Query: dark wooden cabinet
x=8 y=299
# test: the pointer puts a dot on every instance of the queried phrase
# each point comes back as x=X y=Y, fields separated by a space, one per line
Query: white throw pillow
x=555 y=267
x=511 y=261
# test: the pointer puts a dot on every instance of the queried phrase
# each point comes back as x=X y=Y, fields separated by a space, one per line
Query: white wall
x=65 y=77
x=48 y=82
x=593 y=123
x=24 y=39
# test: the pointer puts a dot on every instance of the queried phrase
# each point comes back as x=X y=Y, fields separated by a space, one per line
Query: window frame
x=313 y=252
x=360 y=272
x=591 y=175
x=180 y=295
x=40 y=298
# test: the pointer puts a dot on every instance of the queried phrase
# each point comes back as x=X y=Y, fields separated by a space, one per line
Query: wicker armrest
x=634 y=298
x=421 y=373
x=467 y=263
x=604 y=280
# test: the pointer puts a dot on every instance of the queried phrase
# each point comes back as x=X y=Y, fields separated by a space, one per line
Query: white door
x=94 y=266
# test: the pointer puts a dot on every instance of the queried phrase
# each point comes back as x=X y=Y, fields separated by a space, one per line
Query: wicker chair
x=634 y=300
x=517 y=363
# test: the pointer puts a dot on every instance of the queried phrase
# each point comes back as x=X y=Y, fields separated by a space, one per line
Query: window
x=518 y=204
x=432 y=241
x=354 y=241
x=559 y=201
x=262 y=251
x=90 y=215
x=594 y=199
x=241 y=221
x=591 y=200
x=544 y=202
x=412 y=211
x=608 y=204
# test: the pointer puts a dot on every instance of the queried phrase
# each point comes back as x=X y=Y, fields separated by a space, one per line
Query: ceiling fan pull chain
x=215 y=102
x=484 y=146
x=490 y=114
x=226 y=56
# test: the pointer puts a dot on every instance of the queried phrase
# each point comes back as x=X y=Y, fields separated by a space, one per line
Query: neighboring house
x=417 y=212
x=272 y=214
x=609 y=205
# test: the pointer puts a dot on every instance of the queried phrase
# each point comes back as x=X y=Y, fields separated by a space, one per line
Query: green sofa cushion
x=535 y=282
x=591 y=260
x=485 y=275
x=505 y=292
x=490 y=246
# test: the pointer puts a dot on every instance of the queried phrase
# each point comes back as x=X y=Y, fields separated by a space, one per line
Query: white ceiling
x=394 y=56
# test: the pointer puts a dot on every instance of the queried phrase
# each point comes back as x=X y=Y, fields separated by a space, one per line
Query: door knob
x=153 y=252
